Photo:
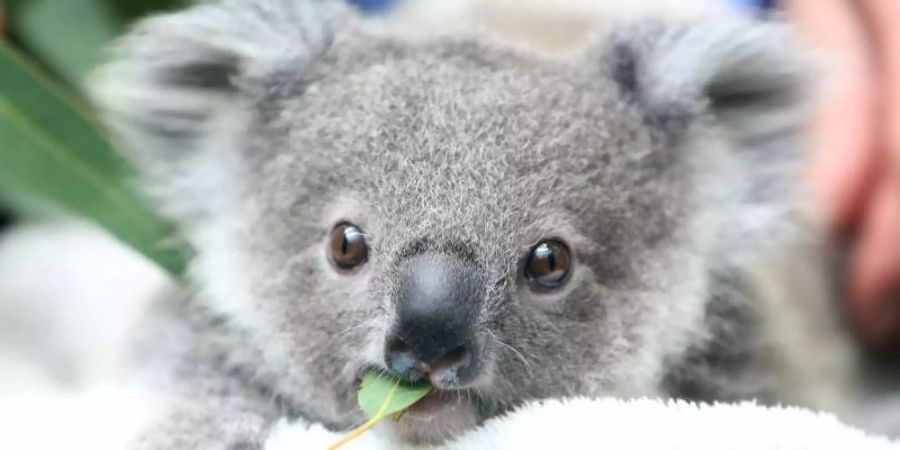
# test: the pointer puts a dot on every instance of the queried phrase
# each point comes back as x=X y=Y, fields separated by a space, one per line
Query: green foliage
x=53 y=155
x=69 y=35
x=381 y=396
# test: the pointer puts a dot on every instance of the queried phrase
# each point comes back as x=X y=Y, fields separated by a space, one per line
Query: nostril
x=452 y=362
x=449 y=371
x=398 y=346
x=400 y=360
x=453 y=358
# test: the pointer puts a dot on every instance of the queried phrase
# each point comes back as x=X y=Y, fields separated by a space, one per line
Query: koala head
x=506 y=226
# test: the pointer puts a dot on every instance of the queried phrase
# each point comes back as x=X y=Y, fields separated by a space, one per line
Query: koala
x=625 y=219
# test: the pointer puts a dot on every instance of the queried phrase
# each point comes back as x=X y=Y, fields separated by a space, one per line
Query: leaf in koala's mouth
x=381 y=396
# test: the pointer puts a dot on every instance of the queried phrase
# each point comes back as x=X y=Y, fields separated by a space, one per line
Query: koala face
x=505 y=226
x=491 y=229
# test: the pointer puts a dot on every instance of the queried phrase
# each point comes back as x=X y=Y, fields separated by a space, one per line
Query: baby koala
x=622 y=220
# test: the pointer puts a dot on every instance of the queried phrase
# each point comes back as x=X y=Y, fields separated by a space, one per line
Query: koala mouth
x=454 y=405
x=436 y=401
x=439 y=416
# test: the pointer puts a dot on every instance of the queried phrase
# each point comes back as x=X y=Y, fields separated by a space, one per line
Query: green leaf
x=50 y=151
x=68 y=35
x=381 y=395
x=57 y=113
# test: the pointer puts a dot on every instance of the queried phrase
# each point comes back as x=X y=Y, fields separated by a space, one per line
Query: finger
x=883 y=17
x=842 y=135
x=877 y=274
x=875 y=268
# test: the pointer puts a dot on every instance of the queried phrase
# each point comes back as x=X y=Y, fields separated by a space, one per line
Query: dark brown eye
x=347 y=246
x=548 y=265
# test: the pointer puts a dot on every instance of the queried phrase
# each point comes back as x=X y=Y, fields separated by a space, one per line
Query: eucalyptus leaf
x=68 y=35
x=381 y=396
x=51 y=151
x=57 y=112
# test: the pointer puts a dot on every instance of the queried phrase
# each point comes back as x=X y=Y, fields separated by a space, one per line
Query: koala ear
x=749 y=76
x=175 y=78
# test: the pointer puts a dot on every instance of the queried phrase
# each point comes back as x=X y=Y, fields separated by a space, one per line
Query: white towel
x=614 y=424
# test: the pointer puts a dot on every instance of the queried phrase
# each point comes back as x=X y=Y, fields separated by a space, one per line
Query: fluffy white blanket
x=100 y=419
x=610 y=424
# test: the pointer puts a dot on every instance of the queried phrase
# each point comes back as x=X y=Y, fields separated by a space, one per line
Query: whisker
x=515 y=352
x=354 y=328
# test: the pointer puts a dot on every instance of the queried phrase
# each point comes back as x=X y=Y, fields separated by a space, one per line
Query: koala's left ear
x=174 y=76
x=749 y=76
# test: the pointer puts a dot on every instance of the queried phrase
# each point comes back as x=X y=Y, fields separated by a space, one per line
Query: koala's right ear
x=176 y=78
x=726 y=80
x=750 y=77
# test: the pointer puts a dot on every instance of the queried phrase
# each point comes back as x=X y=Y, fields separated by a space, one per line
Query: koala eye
x=347 y=246
x=548 y=264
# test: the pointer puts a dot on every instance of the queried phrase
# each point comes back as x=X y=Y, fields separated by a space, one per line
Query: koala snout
x=437 y=304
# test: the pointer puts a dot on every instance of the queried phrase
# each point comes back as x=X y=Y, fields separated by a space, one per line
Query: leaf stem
x=368 y=425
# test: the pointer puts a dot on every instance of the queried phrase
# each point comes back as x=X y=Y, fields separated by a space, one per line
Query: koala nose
x=447 y=370
x=437 y=303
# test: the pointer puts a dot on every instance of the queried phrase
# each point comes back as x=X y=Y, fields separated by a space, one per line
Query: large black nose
x=437 y=304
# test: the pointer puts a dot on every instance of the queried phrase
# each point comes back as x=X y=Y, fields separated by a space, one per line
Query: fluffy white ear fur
x=609 y=423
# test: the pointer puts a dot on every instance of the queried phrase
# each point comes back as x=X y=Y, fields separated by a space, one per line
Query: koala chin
x=625 y=219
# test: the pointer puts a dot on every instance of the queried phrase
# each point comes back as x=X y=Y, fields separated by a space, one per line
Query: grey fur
x=666 y=155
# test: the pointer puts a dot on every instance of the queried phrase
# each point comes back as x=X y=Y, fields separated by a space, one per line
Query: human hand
x=856 y=144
